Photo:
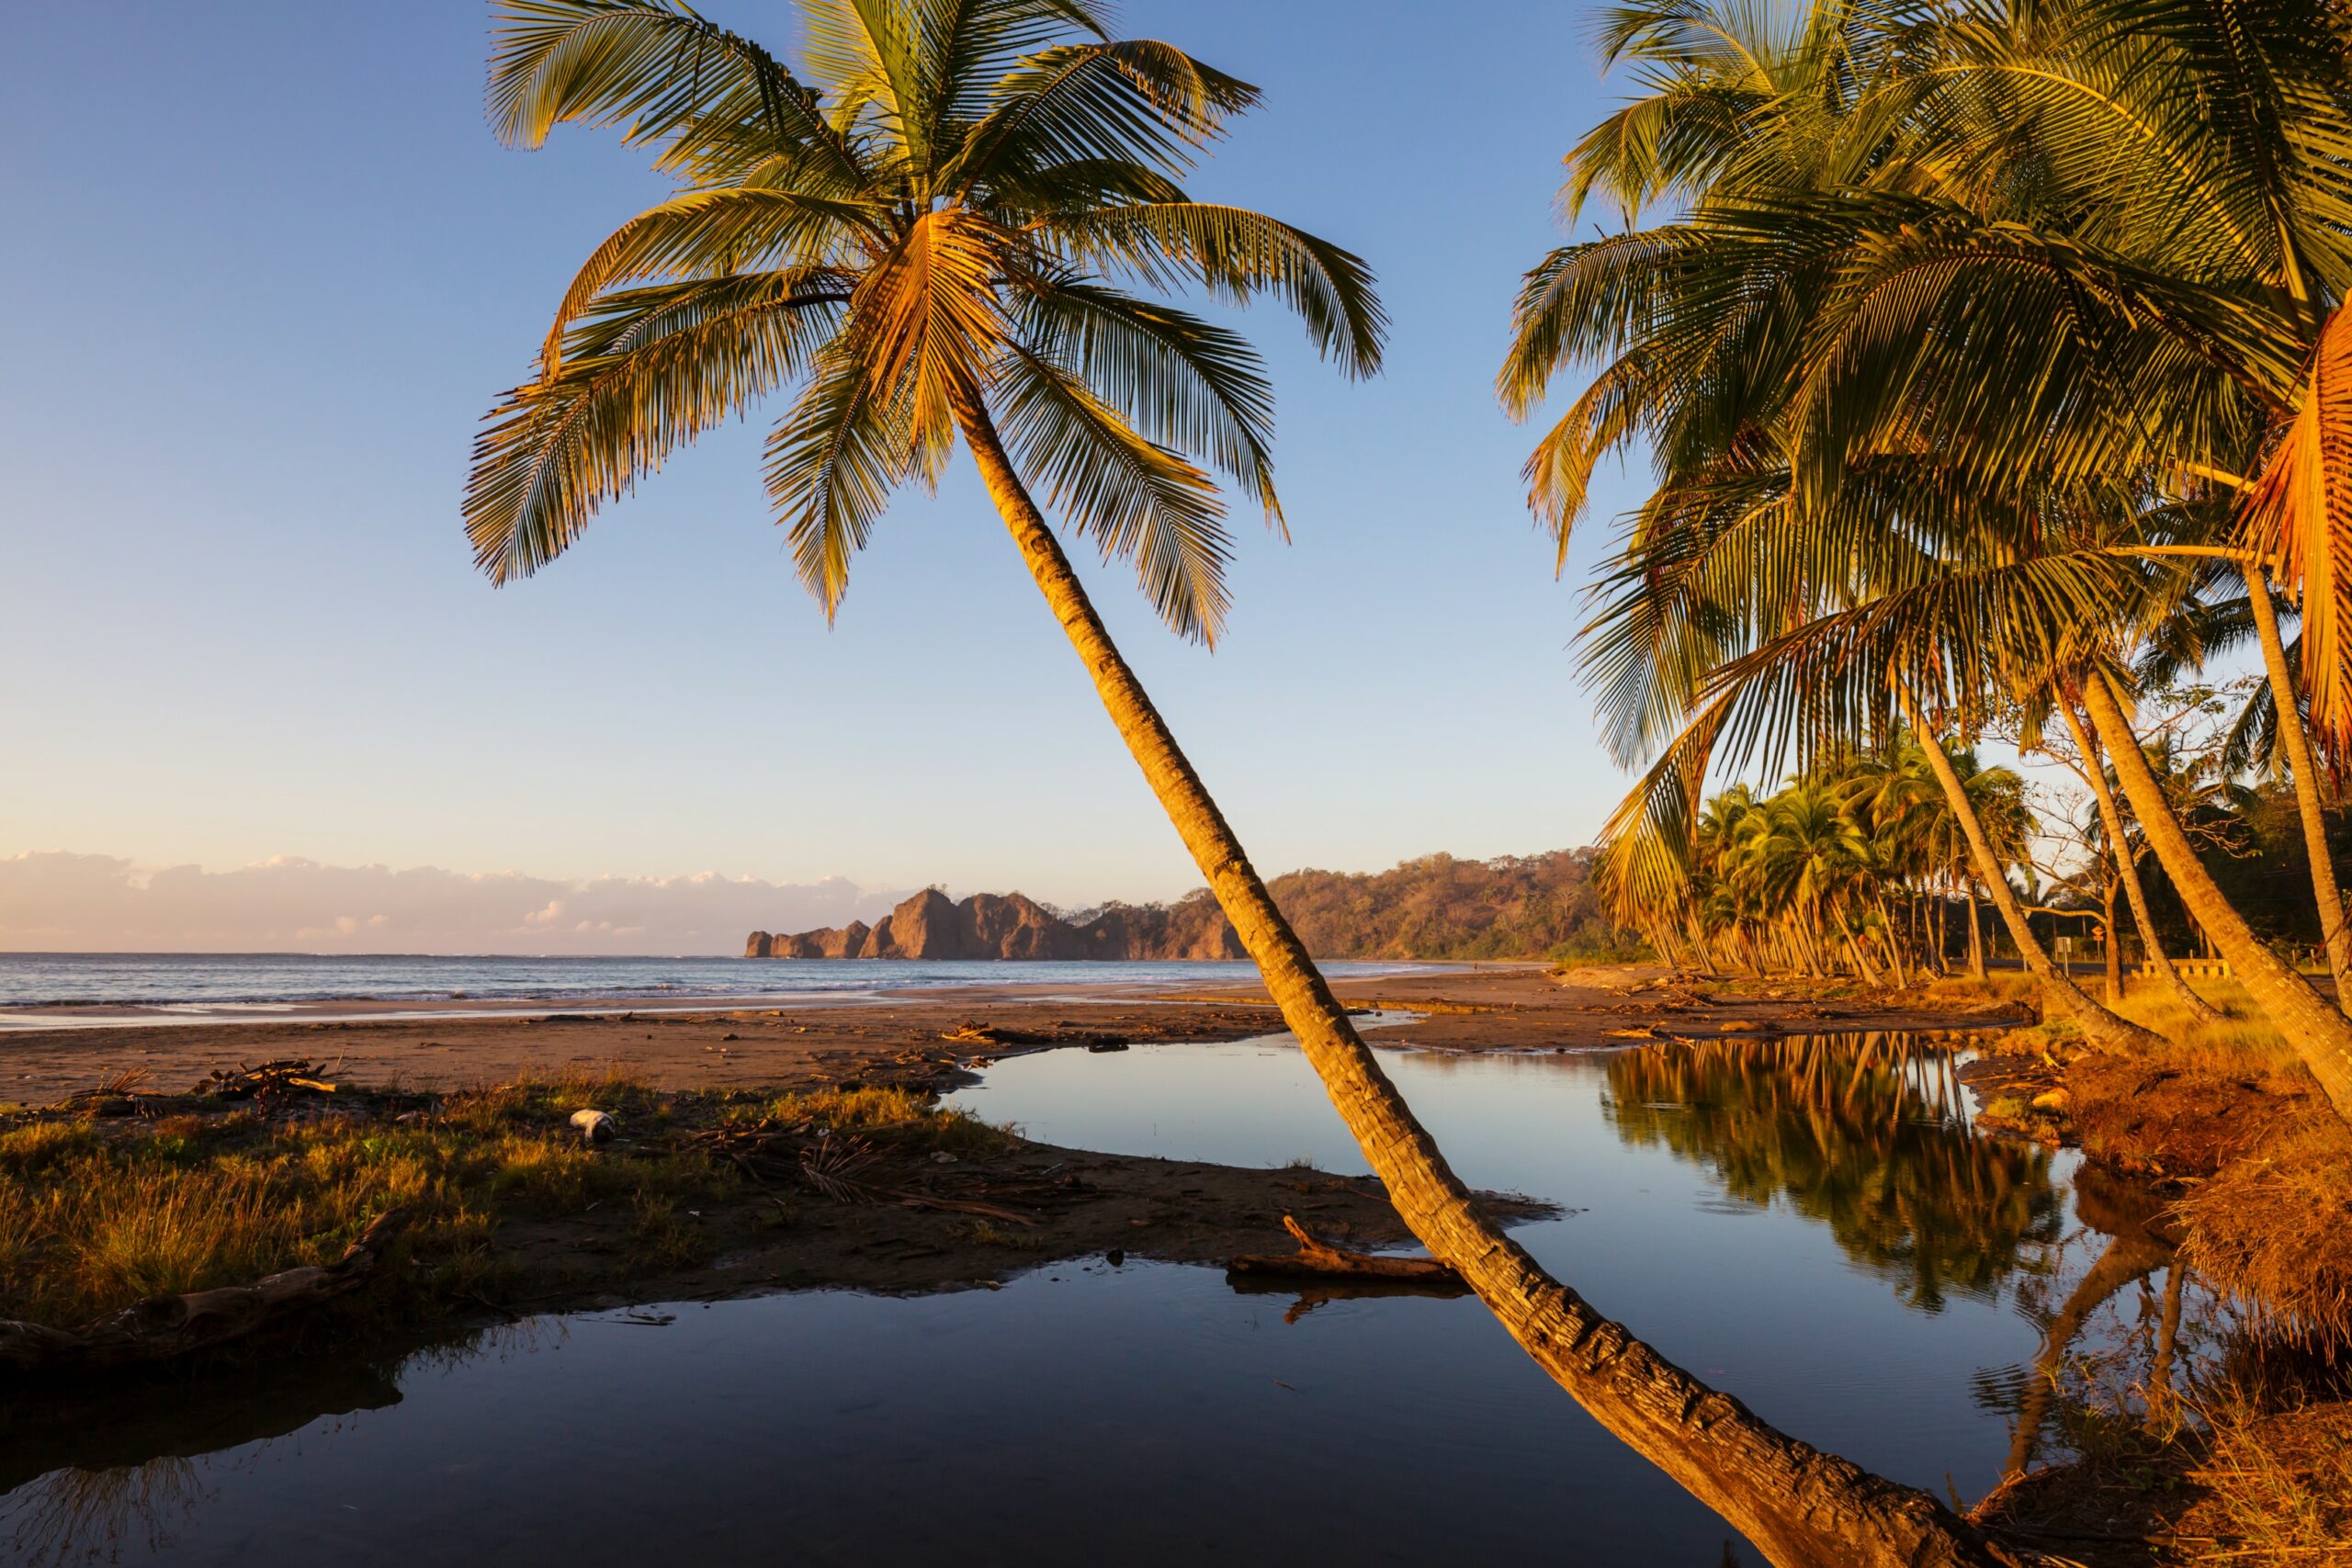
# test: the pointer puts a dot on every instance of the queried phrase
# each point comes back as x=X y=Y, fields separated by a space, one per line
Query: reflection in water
x=1147 y=1410
x=1867 y=1135
x=122 y=1467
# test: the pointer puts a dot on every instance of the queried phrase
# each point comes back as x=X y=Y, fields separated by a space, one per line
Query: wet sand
x=912 y=1038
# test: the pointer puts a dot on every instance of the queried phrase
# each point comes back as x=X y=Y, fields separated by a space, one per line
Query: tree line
x=1987 y=360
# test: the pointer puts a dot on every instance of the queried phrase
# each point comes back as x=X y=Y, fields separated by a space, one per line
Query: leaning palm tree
x=931 y=231
x=2069 y=255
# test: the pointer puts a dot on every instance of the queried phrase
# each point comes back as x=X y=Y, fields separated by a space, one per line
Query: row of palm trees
x=1983 y=353
x=1851 y=866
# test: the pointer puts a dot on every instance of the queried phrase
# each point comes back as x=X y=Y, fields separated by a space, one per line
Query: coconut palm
x=2072 y=257
x=930 y=232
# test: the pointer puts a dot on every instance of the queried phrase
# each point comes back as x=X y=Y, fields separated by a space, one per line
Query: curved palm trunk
x=2114 y=954
x=2059 y=988
x=1976 y=935
x=1893 y=940
x=2320 y=1036
x=2127 y=866
x=2333 y=932
x=1800 y=1506
x=1862 y=965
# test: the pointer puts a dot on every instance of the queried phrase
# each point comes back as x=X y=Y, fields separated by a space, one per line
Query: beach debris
x=829 y=1164
x=1639 y=1031
x=162 y=1327
x=1100 y=1047
x=942 y=1157
x=989 y=1034
x=286 y=1078
x=116 y=1096
x=1320 y=1261
x=595 y=1126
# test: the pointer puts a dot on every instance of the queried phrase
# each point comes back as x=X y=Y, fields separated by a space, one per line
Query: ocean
x=37 y=990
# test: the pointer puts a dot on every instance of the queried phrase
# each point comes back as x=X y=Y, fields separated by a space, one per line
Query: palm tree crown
x=938 y=214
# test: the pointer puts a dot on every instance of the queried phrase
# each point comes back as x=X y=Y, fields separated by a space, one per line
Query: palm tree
x=926 y=229
x=2126 y=860
x=2071 y=259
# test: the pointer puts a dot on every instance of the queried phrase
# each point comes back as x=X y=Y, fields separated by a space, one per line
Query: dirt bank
x=1485 y=1008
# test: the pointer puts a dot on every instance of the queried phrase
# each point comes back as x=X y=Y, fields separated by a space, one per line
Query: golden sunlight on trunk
x=2127 y=867
x=2066 y=997
x=1803 y=1508
x=2320 y=1036
x=2334 y=934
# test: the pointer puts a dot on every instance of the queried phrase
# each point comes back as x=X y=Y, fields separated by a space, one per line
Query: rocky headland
x=1436 y=906
x=1008 y=925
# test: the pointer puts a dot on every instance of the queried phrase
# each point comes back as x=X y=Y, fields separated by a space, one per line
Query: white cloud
x=60 y=902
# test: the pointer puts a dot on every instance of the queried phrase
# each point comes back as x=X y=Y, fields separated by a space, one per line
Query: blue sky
x=270 y=267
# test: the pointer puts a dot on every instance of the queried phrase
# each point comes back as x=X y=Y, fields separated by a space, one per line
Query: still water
x=44 y=991
x=1812 y=1227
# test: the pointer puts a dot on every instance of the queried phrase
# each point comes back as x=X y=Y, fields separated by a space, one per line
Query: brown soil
x=2151 y=1118
x=1514 y=1008
x=1069 y=1203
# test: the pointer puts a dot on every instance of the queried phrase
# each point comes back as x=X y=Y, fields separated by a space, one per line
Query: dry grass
x=2228 y=1109
x=2273 y=1231
x=2007 y=985
x=94 y=1216
x=884 y=1114
x=2278 y=1488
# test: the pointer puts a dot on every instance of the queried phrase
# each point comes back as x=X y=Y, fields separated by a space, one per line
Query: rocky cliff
x=992 y=925
x=1436 y=906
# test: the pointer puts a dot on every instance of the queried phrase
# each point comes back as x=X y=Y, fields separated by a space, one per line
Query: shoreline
x=783 y=1041
x=23 y=1018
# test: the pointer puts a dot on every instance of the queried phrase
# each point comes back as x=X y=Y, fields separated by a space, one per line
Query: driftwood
x=163 y=1326
x=271 y=1080
x=1320 y=1261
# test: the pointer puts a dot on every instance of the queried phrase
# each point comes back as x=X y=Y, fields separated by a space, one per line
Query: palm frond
x=1179 y=381
x=648 y=370
x=2299 y=514
x=656 y=70
x=833 y=459
x=1236 y=254
x=1139 y=500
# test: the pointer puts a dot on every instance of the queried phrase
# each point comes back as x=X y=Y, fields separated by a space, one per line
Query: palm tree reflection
x=1868 y=1134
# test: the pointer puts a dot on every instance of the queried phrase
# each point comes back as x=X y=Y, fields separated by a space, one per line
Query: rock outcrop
x=1007 y=925
x=1436 y=906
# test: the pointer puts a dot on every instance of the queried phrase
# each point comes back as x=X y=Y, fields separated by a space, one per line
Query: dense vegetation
x=1438 y=906
x=1539 y=906
x=1988 y=362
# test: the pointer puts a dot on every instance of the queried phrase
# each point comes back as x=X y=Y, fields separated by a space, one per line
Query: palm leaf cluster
x=1959 y=337
x=941 y=212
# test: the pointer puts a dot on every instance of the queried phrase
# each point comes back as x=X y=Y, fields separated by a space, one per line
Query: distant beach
x=119 y=989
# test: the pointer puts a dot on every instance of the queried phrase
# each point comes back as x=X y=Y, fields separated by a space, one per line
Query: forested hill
x=1438 y=906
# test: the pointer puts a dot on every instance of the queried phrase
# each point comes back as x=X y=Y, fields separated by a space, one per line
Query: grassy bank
x=123 y=1197
x=2250 y=1463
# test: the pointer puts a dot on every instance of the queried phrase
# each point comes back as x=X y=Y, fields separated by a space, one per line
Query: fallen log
x=162 y=1327
x=1320 y=1261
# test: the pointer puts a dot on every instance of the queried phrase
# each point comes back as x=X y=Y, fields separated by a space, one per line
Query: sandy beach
x=910 y=1039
